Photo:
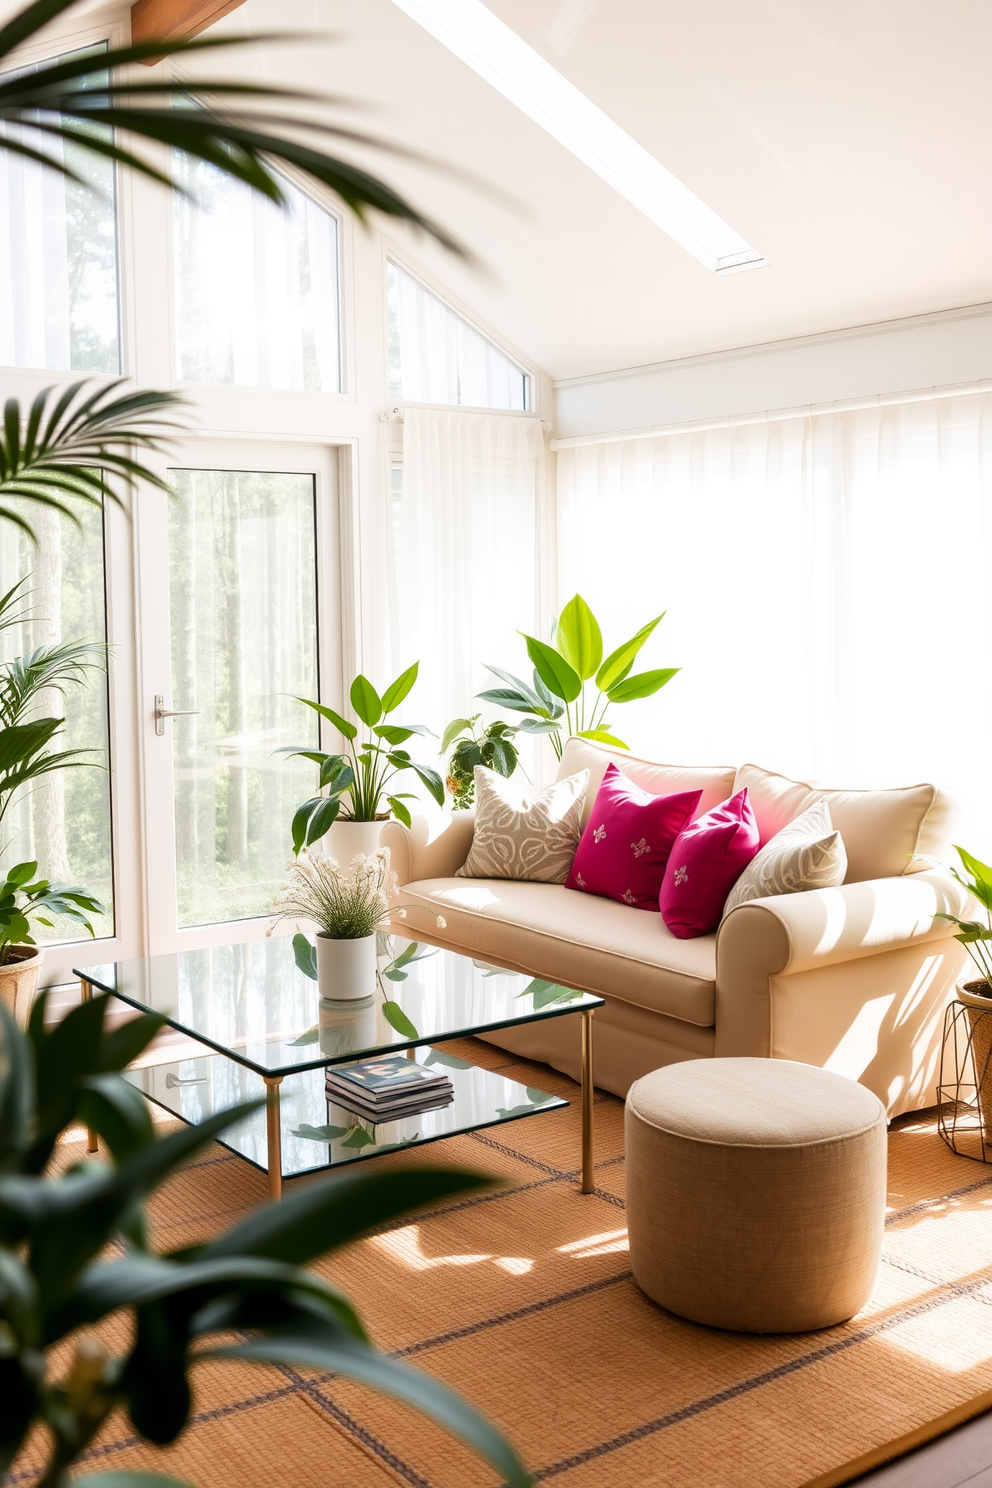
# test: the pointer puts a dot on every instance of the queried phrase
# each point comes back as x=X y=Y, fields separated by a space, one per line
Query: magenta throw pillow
x=623 y=851
x=706 y=861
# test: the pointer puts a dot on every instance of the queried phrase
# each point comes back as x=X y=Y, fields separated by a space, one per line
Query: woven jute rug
x=522 y=1299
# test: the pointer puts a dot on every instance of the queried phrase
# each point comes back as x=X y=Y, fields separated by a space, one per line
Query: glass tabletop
x=254 y=1004
x=319 y=1133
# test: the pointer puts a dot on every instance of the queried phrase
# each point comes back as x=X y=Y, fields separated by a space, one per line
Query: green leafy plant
x=491 y=746
x=559 y=699
x=76 y=442
x=363 y=775
x=25 y=755
x=214 y=119
x=24 y=899
x=242 y=1296
x=973 y=935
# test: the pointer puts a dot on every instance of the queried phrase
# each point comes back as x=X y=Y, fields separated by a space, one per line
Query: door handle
x=162 y=713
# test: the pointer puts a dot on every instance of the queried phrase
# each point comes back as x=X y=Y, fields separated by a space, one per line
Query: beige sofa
x=853 y=979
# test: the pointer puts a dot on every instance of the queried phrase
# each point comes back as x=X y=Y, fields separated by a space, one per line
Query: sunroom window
x=436 y=356
x=257 y=296
x=58 y=257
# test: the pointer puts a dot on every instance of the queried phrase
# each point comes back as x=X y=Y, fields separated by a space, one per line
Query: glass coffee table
x=263 y=1028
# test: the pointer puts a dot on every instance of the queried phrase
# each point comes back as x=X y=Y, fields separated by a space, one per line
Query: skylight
x=514 y=69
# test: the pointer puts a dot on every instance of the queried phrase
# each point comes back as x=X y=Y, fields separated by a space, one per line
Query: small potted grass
x=347 y=906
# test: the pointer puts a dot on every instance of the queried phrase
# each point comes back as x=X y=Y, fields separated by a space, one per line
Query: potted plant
x=559 y=698
x=25 y=758
x=491 y=746
x=77 y=1254
x=352 y=787
x=976 y=992
x=347 y=905
x=22 y=900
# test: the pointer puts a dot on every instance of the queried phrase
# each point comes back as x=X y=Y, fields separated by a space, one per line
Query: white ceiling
x=846 y=139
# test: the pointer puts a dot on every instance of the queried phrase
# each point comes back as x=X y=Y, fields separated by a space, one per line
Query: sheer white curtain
x=435 y=356
x=58 y=260
x=256 y=285
x=827 y=581
x=466 y=553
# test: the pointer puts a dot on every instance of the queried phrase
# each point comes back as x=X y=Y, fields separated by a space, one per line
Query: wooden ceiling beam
x=166 y=19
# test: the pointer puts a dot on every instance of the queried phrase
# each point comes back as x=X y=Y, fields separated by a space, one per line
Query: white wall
x=949 y=347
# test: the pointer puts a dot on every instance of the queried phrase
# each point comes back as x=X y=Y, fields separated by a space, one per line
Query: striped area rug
x=522 y=1299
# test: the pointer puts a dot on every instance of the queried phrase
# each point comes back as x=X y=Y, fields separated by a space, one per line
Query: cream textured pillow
x=807 y=854
x=520 y=837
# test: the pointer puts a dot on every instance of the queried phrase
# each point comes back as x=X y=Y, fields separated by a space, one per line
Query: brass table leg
x=274 y=1134
x=86 y=995
x=588 y=1179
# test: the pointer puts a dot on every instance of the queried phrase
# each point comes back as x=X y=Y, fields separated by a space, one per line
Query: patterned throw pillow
x=628 y=840
x=807 y=854
x=520 y=837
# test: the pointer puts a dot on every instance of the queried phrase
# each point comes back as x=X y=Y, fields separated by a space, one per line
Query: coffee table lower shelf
x=300 y=1131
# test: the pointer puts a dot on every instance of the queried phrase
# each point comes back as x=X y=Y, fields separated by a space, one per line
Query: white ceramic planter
x=346 y=839
x=19 y=981
x=345 y=968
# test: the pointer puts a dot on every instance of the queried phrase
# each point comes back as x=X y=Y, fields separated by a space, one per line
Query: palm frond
x=49 y=668
x=76 y=441
x=221 y=125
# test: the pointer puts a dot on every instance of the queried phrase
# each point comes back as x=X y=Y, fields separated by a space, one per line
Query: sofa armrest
x=432 y=847
x=793 y=933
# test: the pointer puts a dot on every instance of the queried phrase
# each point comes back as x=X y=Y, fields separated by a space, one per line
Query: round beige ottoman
x=755 y=1192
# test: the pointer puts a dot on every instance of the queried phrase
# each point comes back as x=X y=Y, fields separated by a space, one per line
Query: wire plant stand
x=964 y=1090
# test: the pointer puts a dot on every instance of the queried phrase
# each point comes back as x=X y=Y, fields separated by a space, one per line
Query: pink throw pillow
x=627 y=841
x=707 y=860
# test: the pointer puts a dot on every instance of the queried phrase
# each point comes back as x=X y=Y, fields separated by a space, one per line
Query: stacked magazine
x=388 y=1088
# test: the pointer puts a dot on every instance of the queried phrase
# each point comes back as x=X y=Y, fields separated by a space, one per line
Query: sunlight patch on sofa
x=859 y=1046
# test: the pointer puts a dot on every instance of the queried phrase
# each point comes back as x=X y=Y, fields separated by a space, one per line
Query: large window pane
x=256 y=285
x=437 y=357
x=63 y=821
x=242 y=567
x=58 y=258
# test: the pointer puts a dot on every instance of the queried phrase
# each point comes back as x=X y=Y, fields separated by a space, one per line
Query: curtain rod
x=779 y=415
x=394 y=415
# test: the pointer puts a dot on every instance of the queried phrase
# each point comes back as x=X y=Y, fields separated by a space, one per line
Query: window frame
x=529 y=373
x=61 y=37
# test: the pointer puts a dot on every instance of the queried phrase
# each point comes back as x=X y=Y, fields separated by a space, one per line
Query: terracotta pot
x=980 y=1020
x=345 y=968
x=19 y=980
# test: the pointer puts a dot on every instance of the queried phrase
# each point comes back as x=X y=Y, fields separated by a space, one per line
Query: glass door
x=247 y=575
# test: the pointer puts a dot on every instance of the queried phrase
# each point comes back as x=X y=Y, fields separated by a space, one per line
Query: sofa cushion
x=522 y=835
x=882 y=829
x=628 y=840
x=706 y=861
x=715 y=781
x=807 y=854
x=596 y=945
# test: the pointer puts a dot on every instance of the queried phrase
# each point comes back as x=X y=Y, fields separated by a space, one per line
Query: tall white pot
x=346 y=839
x=345 y=968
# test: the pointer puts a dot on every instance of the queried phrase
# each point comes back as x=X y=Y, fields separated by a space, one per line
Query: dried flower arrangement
x=344 y=903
